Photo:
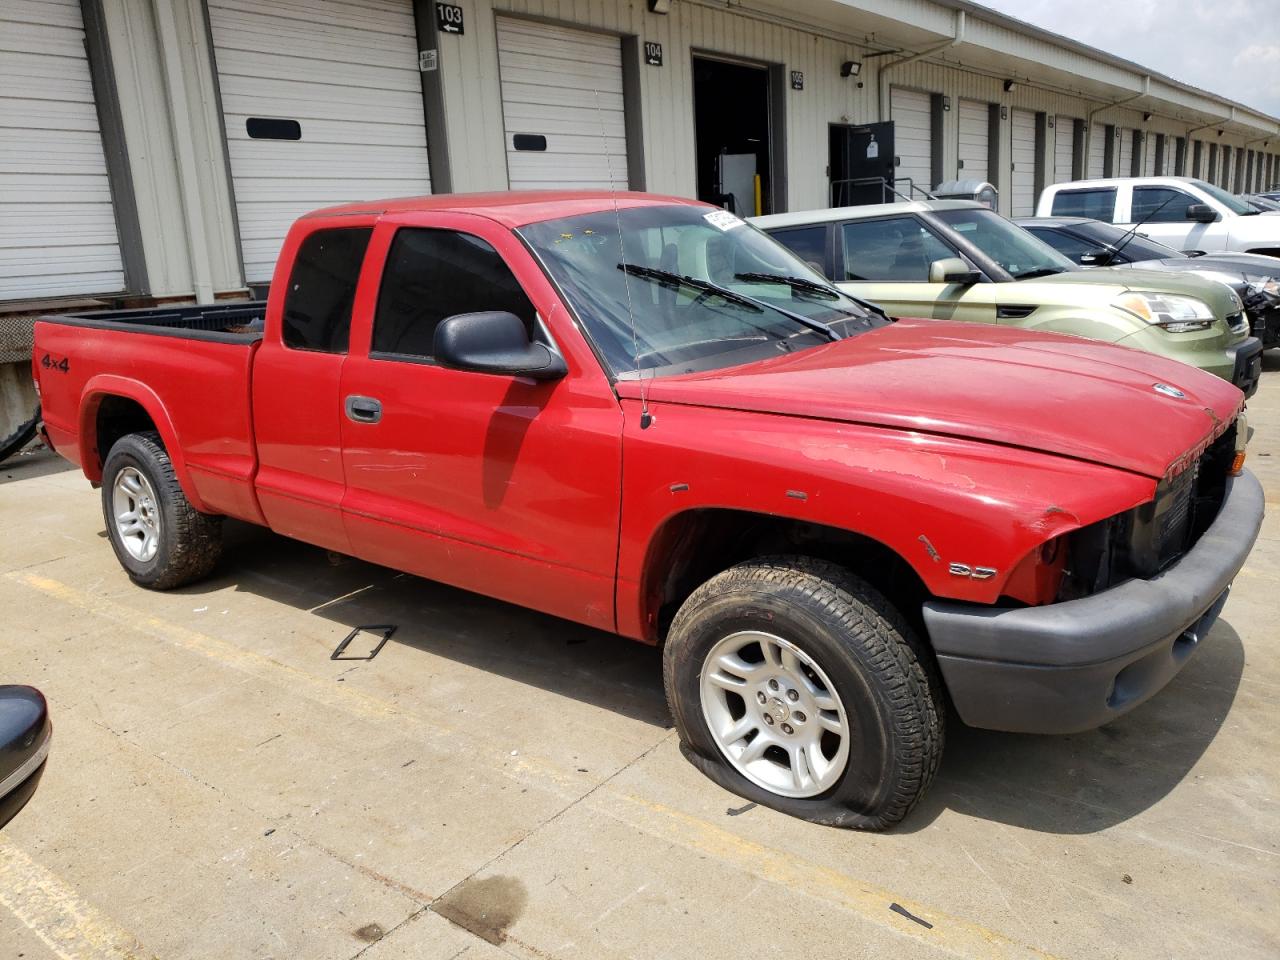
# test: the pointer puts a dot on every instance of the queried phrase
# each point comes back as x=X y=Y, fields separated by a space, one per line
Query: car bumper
x=1075 y=665
x=1246 y=364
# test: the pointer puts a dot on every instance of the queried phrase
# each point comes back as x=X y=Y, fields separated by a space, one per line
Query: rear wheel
x=796 y=685
x=160 y=539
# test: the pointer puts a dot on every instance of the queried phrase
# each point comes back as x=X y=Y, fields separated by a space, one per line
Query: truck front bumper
x=1075 y=665
x=1246 y=365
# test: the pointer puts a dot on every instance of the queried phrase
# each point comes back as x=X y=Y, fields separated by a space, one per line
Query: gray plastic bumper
x=1075 y=665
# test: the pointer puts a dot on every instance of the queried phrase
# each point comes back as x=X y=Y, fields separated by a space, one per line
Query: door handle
x=363 y=409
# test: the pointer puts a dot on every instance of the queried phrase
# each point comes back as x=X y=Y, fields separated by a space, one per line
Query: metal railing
x=888 y=192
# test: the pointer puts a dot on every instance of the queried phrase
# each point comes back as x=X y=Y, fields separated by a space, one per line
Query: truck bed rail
x=238 y=322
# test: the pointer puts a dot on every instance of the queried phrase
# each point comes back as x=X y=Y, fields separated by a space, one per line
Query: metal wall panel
x=565 y=86
x=1023 y=159
x=58 y=232
x=348 y=73
x=912 y=138
x=972 y=147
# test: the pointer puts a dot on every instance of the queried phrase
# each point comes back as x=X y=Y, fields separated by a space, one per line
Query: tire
x=19 y=438
x=138 y=482
x=837 y=648
x=19 y=408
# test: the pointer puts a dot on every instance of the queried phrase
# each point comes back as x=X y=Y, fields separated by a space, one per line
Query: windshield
x=1108 y=236
x=1020 y=254
x=1231 y=202
x=688 y=289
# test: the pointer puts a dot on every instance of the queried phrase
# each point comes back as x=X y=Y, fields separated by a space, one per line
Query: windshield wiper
x=733 y=296
x=795 y=283
x=803 y=283
x=1042 y=272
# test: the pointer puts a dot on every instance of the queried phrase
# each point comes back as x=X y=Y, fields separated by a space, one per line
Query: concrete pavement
x=497 y=783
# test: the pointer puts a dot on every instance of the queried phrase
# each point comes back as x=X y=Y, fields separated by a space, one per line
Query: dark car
x=1092 y=243
x=25 y=734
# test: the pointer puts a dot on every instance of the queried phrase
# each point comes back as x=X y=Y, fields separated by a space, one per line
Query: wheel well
x=1267 y=251
x=117 y=417
x=694 y=546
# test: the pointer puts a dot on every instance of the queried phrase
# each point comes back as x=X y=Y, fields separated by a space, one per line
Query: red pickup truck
x=642 y=414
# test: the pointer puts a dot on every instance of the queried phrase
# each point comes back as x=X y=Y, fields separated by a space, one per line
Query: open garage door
x=1023 y=155
x=1064 y=149
x=913 y=139
x=974 y=150
x=322 y=104
x=57 y=223
x=562 y=107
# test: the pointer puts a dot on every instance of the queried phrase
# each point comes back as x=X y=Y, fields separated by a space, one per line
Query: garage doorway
x=733 y=111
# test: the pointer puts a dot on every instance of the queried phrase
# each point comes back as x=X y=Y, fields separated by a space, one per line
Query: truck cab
x=1181 y=212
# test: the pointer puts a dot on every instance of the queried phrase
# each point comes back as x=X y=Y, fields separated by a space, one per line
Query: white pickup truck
x=1184 y=213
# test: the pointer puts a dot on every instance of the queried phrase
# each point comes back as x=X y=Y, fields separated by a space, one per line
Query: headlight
x=1169 y=311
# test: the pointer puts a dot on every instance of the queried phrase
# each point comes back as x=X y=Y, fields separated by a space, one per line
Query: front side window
x=1160 y=205
x=670 y=289
x=1096 y=204
x=1015 y=250
x=432 y=275
x=896 y=249
x=322 y=289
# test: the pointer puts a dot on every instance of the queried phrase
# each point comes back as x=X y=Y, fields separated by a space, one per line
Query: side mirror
x=1097 y=258
x=25 y=732
x=1201 y=213
x=952 y=270
x=495 y=342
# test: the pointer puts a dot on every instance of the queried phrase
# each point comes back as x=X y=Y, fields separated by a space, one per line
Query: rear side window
x=808 y=243
x=1096 y=204
x=322 y=287
x=432 y=275
x=1066 y=243
x=897 y=249
x=1160 y=205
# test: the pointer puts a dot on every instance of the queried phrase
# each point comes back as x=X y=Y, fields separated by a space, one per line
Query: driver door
x=498 y=484
x=886 y=260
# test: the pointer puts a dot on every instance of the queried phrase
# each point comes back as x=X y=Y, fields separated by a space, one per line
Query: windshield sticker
x=722 y=219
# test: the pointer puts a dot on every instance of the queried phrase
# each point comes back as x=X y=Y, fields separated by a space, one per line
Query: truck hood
x=1062 y=395
x=1215 y=294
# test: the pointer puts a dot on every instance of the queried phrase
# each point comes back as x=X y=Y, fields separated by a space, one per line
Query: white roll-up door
x=912 y=138
x=1064 y=147
x=562 y=107
x=1124 y=152
x=1148 y=154
x=974 y=149
x=1023 y=155
x=1097 y=150
x=347 y=73
x=57 y=223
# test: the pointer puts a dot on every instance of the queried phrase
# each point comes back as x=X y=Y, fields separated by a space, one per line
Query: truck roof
x=510 y=208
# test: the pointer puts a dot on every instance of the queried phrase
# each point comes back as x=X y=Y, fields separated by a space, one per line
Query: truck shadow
x=1086 y=782
x=1063 y=785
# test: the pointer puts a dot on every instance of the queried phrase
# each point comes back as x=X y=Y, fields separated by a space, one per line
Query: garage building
x=157 y=150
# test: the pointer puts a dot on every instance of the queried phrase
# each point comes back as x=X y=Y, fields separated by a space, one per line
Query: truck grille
x=1149 y=538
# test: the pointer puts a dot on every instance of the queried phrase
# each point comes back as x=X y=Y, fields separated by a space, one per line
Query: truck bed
x=237 y=322
x=186 y=369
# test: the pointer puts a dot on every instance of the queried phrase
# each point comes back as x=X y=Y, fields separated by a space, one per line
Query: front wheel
x=796 y=685
x=160 y=539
